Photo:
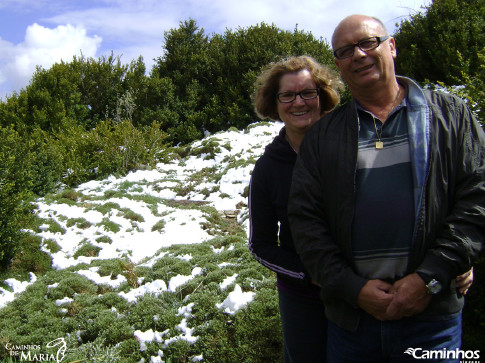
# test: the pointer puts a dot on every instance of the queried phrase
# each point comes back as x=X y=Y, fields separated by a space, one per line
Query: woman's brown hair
x=268 y=83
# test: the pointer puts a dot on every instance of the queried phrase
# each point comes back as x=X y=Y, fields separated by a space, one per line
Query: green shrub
x=97 y=351
x=46 y=168
x=111 y=267
x=72 y=283
x=55 y=227
x=113 y=300
x=111 y=148
x=109 y=225
x=208 y=146
x=80 y=223
x=104 y=239
x=258 y=328
x=168 y=267
x=205 y=310
x=473 y=90
x=69 y=194
x=105 y=208
x=30 y=258
x=87 y=249
x=132 y=216
x=16 y=181
x=159 y=226
x=66 y=196
x=155 y=312
x=51 y=245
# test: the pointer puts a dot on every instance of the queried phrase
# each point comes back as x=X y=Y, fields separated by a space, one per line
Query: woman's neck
x=294 y=139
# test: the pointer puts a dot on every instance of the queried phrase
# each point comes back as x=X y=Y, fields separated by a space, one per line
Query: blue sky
x=42 y=32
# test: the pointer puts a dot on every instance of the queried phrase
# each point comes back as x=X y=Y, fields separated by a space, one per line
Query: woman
x=297 y=91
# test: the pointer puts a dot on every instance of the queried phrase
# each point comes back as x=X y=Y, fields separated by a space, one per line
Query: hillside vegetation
x=150 y=266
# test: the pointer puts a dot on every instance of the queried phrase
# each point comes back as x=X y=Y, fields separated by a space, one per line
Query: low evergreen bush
x=16 y=189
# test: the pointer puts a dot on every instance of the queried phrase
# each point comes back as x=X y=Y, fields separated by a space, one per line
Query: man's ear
x=392 y=44
x=337 y=63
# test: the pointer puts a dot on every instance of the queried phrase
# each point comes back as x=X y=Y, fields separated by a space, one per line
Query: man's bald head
x=353 y=21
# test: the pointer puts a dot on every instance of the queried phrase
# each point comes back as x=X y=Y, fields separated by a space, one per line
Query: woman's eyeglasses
x=306 y=94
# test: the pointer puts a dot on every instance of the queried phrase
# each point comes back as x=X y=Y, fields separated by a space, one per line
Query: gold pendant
x=379 y=144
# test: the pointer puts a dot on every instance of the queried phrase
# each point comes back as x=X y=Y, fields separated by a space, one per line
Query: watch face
x=434 y=287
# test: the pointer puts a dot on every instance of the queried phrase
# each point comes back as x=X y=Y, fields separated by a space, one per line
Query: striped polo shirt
x=384 y=214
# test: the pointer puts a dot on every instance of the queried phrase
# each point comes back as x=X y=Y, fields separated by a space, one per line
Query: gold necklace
x=379 y=143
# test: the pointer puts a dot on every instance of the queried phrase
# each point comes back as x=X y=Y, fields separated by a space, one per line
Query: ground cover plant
x=153 y=266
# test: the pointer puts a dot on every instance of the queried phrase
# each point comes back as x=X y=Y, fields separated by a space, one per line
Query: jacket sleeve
x=263 y=232
x=315 y=243
x=457 y=245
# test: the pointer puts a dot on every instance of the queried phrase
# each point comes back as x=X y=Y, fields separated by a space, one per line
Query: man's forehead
x=353 y=30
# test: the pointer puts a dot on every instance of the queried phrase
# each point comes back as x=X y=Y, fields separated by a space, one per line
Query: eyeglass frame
x=379 y=40
x=299 y=94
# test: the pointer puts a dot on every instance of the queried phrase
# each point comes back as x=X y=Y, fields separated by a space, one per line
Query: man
x=387 y=205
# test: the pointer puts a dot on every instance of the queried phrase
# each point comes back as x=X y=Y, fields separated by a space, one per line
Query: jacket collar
x=418 y=117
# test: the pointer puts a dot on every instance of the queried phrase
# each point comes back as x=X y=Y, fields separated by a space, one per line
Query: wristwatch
x=434 y=287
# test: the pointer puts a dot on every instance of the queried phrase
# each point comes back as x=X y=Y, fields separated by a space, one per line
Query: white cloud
x=42 y=47
x=133 y=28
x=128 y=22
x=316 y=16
x=130 y=28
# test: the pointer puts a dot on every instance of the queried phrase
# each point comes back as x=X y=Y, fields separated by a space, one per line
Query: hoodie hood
x=280 y=149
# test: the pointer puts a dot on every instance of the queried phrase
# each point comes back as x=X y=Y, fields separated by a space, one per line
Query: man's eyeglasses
x=364 y=45
x=306 y=94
